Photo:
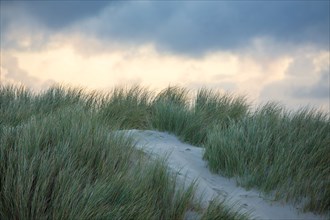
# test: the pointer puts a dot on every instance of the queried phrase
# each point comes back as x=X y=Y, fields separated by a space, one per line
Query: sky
x=265 y=50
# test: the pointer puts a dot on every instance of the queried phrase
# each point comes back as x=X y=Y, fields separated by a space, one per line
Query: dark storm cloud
x=195 y=27
x=190 y=27
x=58 y=14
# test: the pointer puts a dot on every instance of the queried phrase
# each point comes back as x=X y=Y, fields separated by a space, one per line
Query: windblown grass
x=60 y=160
x=19 y=104
x=56 y=152
x=219 y=210
x=66 y=166
x=171 y=112
x=216 y=109
x=282 y=153
x=191 y=118
x=15 y=105
x=126 y=108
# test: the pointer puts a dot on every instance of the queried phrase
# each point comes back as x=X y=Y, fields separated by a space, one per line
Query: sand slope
x=187 y=160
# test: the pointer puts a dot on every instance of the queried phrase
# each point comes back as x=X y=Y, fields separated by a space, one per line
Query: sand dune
x=187 y=160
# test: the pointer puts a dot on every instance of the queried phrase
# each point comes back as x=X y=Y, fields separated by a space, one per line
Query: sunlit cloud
x=83 y=61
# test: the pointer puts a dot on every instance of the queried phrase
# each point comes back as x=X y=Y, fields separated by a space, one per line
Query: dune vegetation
x=60 y=160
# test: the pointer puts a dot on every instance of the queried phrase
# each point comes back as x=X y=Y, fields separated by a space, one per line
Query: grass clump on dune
x=220 y=109
x=218 y=209
x=126 y=108
x=171 y=112
x=217 y=109
x=280 y=152
x=19 y=104
x=190 y=118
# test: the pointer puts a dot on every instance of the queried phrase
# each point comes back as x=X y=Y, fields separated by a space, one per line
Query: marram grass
x=285 y=154
x=66 y=166
x=60 y=160
x=57 y=138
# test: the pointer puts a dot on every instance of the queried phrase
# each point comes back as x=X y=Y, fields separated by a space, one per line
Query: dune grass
x=285 y=154
x=126 y=108
x=190 y=118
x=57 y=152
x=219 y=209
x=171 y=112
x=60 y=160
x=66 y=166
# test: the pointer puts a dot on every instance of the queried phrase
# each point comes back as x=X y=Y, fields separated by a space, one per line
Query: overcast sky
x=267 y=50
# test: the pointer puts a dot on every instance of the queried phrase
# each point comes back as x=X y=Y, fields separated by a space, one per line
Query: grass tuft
x=126 y=108
x=219 y=210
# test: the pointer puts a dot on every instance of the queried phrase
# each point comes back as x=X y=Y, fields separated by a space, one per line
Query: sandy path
x=187 y=160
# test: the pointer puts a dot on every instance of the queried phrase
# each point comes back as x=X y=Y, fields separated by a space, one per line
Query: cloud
x=11 y=72
x=74 y=59
x=187 y=28
x=55 y=14
x=297 y=77
x=318 y=90
x=305 y=81
x=309 y=74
